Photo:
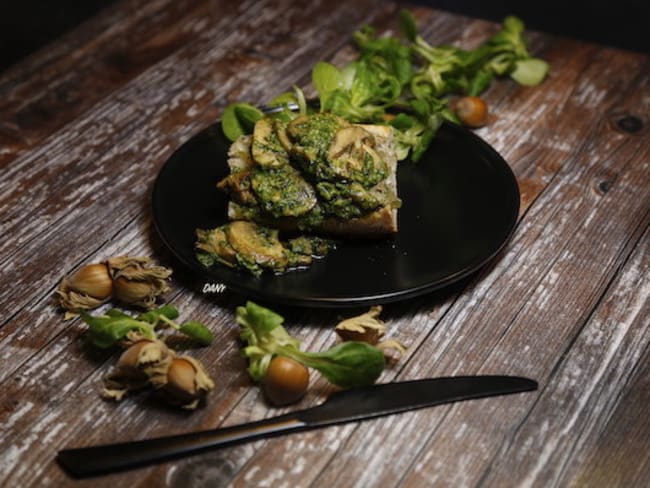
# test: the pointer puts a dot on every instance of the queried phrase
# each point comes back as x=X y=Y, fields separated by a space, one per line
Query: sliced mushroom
x=215 y=241
x=352 y=156
x=238 y=186
x=257 y=244
x=312 y=135
x=383 y=131
x=347 y=139
x=267 y=150
x=283 y=137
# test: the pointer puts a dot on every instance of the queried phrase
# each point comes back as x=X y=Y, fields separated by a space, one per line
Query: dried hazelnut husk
x=137 y=281
x=185 y=383
x=368 y=328
x=365 y=327
x=141 y=361
x=90 y=287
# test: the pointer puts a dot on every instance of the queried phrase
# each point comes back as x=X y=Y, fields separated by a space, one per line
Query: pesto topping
x=282 y=192
x=267 y=150
x=255 y=248
x=312 y=136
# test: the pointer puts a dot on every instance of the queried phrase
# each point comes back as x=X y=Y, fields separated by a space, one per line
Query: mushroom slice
x=238 y=186
x=215 y=242
x=267 y=150
x=352 y=156
x=283 y=192
x=256 y=243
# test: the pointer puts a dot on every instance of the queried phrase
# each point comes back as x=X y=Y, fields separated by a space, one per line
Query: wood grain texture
x=86 y=124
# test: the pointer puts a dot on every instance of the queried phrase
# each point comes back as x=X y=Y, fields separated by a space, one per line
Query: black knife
x=341 y=406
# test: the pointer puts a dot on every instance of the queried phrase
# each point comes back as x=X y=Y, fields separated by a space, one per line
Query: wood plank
x=577 y=427
x=353 y=459
x=136 y=124
x=567 y=302
x=49 y=363
x=43 y=94
x=528 y=334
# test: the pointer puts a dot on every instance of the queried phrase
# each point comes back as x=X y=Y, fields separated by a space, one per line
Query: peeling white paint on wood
x=566 y=302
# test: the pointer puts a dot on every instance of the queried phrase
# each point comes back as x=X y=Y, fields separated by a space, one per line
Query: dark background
x=27 y=25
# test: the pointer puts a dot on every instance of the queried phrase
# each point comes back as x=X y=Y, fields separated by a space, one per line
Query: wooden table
x=85 y=126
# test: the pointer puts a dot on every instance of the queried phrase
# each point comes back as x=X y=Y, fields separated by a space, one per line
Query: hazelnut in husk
x=134 y=281
x=144 y=359
x=137 y=281
x=90 y=287
x=185 y=383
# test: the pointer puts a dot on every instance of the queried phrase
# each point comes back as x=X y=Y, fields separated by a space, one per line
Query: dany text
x=214 y=288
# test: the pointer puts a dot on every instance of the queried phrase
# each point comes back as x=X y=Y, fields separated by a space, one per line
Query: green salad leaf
x=239 y=119
x=114 y=325
x=197 y=331
x=529 y=72
x=406 y=76
x=105 y=331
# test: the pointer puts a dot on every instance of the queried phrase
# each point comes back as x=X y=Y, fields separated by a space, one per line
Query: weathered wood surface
x=85 y=125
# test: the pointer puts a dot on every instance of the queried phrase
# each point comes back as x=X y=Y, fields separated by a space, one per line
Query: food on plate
x=329 y=167
x=246 y=245
x=317 y=173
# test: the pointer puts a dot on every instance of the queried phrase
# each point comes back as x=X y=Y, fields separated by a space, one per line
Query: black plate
x=460 y=206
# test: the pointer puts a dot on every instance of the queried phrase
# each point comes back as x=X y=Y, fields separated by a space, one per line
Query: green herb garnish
x=406 y=82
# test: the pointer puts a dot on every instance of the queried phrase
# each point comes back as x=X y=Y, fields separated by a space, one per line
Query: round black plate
x=460 y=206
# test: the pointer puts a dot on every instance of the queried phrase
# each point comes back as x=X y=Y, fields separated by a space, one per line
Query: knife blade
x=342 y=406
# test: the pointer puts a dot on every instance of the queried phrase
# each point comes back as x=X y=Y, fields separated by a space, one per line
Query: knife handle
x=90 y=461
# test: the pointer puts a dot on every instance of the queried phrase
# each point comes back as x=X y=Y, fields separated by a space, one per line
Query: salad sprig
x=348 y=364
x=114 y=325
x=404 y=82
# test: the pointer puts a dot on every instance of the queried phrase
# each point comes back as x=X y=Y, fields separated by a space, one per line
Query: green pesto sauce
x=350 y=200
x=312 y=137
x=282 y=192
x=368 y=174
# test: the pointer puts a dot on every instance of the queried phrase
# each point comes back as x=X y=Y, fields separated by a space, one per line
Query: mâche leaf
x=105 y=331
x=391 y=73
x=407 y=25
x=326 y=78
x=197 y=331
x=108 y=329
x=154 y=316
x=239 y=119
x=347 y=365
x=530 y=72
